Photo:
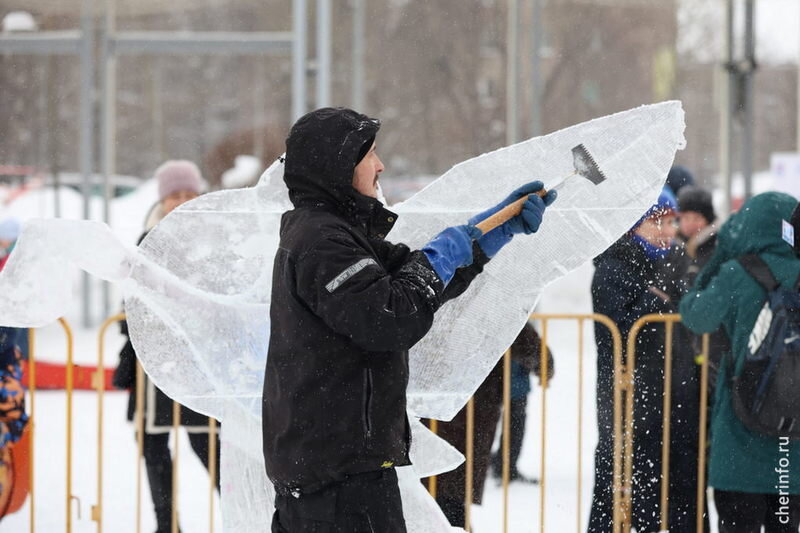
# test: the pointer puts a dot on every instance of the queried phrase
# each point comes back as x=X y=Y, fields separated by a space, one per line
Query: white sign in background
x=785 y=169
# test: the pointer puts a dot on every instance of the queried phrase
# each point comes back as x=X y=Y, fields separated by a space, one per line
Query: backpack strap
x=759 y=270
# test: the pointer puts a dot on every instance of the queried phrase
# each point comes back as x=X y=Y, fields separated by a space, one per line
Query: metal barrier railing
x=32 y=423
x=669 y=321
x=97 y=510
x=623 y=426
x=31 y=369
x=621 y=483
x=99 y=383
x=621 y=486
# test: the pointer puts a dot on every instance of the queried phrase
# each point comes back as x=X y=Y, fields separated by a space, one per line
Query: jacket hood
x=755 y=229
x=321 y=154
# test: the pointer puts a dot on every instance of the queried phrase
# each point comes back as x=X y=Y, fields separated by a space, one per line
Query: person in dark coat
x=487 y=409
x=696 y=238
x=678 y=178
x=346 y=307
x=696 y=242
x=626 y=286
x=178 y=182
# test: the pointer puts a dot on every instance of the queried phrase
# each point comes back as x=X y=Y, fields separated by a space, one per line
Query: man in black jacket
x=346 y=307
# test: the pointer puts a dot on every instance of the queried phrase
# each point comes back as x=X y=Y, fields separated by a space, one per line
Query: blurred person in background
x=697 y=228
x=697 y=240
x=488 y=404
x=14 y=482
x=751 y=487
x=525 y=360
x=12 y=396
x=14 y=479
x=9 y=233
x=627 y=285
x=693 y=246
x=678 y=178
x=178 y=182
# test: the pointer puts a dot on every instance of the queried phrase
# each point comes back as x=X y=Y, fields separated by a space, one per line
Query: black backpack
x=766 y=391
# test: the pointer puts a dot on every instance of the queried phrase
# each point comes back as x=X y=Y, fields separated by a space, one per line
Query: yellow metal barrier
x=470 y=464
x=212 y=470
x=99 y=384
x=702 y=437
x=669 y=321
x=623 y=426
x=69 y=387
x=32 y=422
x=506 y=444
x=621 y=487
x=432 y=488
x=138 y=417
x=176 y=426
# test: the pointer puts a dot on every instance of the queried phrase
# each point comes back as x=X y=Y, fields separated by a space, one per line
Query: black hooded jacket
x=346 y=307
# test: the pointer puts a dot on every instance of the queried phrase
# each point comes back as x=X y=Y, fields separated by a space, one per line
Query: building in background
x=434 y=71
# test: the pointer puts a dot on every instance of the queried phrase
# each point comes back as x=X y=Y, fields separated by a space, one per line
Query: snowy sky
x=701 y=29
x=778 y=30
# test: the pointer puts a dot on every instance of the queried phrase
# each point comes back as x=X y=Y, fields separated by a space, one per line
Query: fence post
x=212 y=469
x=32 y=422
x=666 y=430
x=669 y=320
x=543 y=377
x=470 y=463
x=99 y=383
x=69 y=386
x=506 y=444
x=621 y=485
x=701 y=446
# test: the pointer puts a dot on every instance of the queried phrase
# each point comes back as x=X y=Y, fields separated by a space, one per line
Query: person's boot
x=516 y=475
x=164 y=520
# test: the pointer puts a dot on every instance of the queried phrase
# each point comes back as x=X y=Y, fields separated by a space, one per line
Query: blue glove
x=526 y=222
x=450 y=250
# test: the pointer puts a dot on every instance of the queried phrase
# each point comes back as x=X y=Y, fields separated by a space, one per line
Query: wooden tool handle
x=505 y=214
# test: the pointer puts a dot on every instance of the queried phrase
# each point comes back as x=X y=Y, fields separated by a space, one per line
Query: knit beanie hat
x=678 y=178
x=9 y=229
x=665 y=204
x=178 y=175
x=697 y=199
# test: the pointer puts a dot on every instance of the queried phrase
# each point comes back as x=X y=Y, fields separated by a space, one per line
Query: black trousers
x=363 y=503
x=158 y=463
x=743 y=512
x=518 y=413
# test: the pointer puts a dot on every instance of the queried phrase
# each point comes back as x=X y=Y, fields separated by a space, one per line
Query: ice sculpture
x=197 y=290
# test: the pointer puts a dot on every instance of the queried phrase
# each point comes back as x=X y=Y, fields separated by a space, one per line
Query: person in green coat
x=756 y=478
